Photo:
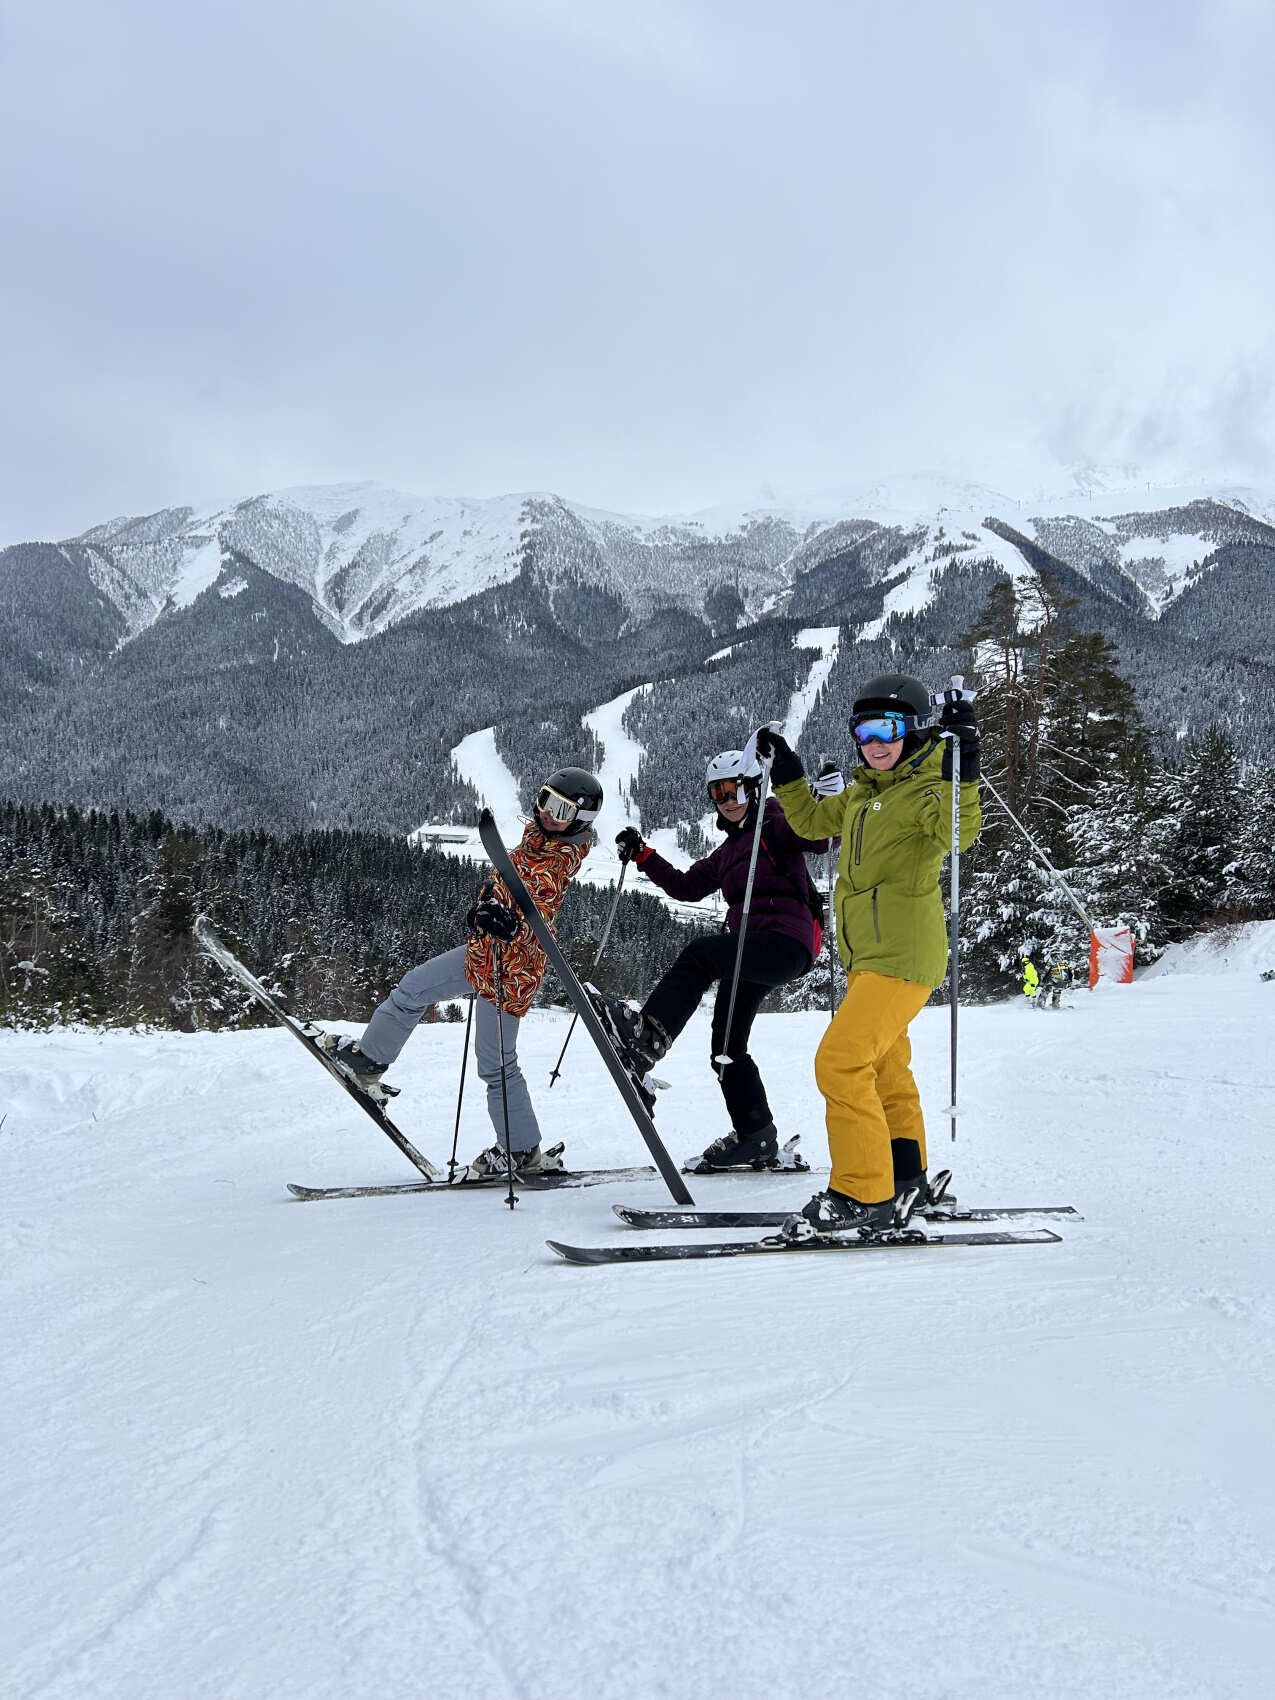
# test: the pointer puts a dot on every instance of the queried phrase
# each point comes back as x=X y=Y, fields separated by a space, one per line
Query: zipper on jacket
x=876 y=918
x=858 y=837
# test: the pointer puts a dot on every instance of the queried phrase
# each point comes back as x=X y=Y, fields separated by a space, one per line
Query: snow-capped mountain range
x=316 y=656
x=367 y=556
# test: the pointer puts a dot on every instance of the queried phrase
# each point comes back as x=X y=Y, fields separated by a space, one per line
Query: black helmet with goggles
x=572 y=797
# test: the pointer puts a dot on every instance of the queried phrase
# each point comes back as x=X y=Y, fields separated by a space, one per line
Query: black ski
x=778 y=1247
x=634 y=1218
x=227 y=959
x=494 y=845
x=551 y=1181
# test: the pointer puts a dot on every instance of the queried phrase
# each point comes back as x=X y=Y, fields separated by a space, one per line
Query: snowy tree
x=1205 y=802
x=1122 y=847
x=1250 y=875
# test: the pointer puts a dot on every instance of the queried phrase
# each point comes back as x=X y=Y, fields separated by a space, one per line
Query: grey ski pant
x=440 y=981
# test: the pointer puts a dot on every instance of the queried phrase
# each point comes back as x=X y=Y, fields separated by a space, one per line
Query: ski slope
x=391 y=1448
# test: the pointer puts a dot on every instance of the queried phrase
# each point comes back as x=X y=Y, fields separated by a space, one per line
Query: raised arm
x=688 y=885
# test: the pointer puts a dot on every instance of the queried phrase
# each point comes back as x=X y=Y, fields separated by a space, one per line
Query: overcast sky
x=649 y=255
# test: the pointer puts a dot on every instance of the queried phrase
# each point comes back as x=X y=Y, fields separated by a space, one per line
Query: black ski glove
x=493 y=920
x=957 y=716
x=785 y=763
x=630 y=844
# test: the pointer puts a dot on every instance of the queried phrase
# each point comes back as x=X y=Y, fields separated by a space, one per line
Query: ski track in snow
x=480 y=763
x=390 y=1447
x=826 y=641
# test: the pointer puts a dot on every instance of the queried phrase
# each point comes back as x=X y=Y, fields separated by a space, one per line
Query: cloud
x=651 y=257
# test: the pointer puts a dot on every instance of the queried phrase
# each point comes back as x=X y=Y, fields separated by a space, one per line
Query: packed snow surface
x=825 y=641
x=392 y=1448
x=617 y=771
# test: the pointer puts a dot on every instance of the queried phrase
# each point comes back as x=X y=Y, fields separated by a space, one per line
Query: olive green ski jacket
x=895 y=830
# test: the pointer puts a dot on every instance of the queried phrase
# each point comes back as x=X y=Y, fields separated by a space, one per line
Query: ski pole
x=830 y=766
x=498 y=958
x=460 y=1095
x=1036 y=849
x=954 y=937
x=602 y=944
x=832 y=935
x=721 y=1061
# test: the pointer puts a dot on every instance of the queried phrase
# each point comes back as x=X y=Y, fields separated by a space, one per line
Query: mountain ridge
x=314 y=655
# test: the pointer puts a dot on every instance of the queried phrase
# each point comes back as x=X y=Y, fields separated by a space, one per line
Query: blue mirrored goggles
x=885 y=728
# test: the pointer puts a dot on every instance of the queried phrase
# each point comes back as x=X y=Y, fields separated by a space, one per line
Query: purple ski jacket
x=779 y=903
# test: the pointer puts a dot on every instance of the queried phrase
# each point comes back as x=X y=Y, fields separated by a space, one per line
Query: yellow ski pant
x=863 y=1069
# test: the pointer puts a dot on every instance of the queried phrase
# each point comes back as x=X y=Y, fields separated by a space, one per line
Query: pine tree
x=1121 y=841
x=1205 y=803
x=167 y=971
x=1059 y=723
x=1250 y=875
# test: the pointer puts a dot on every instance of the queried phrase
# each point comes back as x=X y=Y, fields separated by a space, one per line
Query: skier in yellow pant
x=894 y=820
x=862 y=1069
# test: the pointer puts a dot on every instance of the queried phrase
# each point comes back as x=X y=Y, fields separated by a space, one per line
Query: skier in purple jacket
x=782 y=941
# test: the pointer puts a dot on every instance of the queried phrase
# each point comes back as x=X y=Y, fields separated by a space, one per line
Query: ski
x=634 y=1218
x=776 y=1246
x=550 y=1181
x=498 y=855
x=226 y=958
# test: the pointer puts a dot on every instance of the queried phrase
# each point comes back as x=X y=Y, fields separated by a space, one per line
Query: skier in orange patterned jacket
x=556 y=840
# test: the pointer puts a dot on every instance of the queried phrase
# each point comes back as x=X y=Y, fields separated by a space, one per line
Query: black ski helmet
x=573 y=785
x=899 y=691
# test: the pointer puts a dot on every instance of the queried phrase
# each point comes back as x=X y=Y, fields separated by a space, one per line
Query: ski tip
x=626 y=1213
x=581 y=1253
x=299 y=1191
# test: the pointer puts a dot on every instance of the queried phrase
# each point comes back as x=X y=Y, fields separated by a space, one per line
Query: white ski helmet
x=730 y=764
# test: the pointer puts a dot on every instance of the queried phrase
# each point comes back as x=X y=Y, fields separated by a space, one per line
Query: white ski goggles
x=562 y=809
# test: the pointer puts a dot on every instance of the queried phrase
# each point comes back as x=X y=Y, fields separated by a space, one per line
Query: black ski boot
x=735 y=1150
x=356 y=1066
x=639 y=1039
x=834 y=1212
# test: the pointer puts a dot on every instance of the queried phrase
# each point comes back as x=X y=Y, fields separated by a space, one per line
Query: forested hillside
x=96 y=912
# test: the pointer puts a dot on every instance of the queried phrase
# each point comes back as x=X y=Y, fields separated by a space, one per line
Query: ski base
x=635 y=1218
x=549 y=1181
x=775 y=1245
x=372 y=1106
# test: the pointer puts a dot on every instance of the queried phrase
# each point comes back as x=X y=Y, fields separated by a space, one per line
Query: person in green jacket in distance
x=894 y=819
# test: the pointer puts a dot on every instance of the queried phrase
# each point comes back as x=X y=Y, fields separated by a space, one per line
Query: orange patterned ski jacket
x=547 y=863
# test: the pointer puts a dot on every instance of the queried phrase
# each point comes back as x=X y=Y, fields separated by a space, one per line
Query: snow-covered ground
x=391 y=1448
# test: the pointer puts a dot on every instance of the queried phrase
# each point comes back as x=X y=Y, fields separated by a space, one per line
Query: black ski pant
x=770 y=960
